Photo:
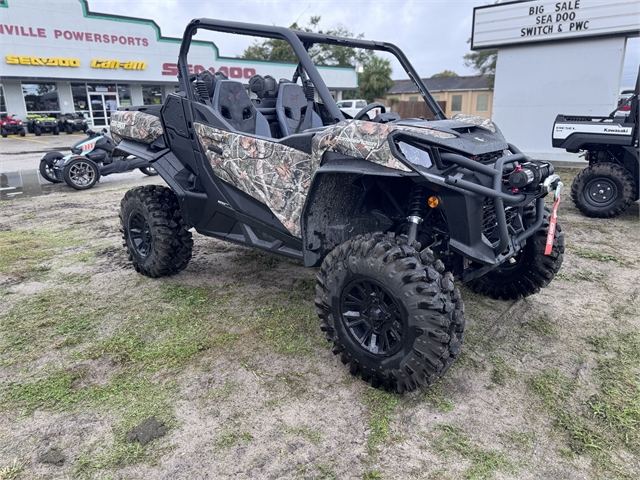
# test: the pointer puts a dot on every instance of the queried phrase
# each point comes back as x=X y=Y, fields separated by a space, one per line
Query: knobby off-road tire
x=390 y=311
x=153 y=231
x=68 y=129
x=603 y=190
x=3 y=132
x=56 y=131
x=531 y=269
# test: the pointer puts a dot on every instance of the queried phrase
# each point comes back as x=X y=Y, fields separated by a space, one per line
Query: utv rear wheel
x=389 y=311
x=603 y=190
x=153 y=231
x=527 y=272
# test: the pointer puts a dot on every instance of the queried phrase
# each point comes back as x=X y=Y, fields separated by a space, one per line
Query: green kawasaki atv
x=40 y=123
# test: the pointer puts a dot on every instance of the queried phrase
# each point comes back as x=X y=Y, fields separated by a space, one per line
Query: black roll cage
x=299 y=42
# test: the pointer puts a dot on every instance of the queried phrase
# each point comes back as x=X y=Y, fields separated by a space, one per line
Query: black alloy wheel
x=372 y=317
x=140 y=234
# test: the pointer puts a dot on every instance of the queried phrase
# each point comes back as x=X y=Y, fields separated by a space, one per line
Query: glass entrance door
x=101 y=106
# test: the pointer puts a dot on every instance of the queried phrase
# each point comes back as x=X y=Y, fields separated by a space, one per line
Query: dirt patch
x=228 y=359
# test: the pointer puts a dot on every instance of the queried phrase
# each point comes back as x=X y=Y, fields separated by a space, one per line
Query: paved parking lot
x=20 y=159
x=23 y=153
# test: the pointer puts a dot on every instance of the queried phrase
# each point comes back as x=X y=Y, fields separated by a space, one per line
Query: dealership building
x=59 y=57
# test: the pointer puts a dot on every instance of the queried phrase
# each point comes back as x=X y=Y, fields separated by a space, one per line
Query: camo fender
x=277 y=175
x=138 y=126
x=359 y=139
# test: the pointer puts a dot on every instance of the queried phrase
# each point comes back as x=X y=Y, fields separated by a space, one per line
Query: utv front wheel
x=603 y=190
x=528 y=271
x=153 y=231
x=390 y=312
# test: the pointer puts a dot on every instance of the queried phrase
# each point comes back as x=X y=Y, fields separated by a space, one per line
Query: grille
x=490 y=157
x=489 y=220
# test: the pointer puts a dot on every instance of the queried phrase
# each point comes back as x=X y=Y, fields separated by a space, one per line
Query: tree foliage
x=375 y=80
x=445 y=73
x=484 y=62
x=331 y=55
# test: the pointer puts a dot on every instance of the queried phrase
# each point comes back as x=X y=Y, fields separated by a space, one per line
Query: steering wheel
x=371 y=106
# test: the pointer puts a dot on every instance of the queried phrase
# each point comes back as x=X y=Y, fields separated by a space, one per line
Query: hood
x=467 y=134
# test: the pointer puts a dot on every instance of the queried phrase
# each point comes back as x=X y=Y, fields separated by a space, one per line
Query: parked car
x=352 y=107
x=9 y=125
x=39 y=123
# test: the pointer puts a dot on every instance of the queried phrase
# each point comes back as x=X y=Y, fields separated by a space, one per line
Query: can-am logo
x=231 y=72
x=115 y=64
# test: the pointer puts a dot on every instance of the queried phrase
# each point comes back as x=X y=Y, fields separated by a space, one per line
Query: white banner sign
x=61 y=39
x=516 y=23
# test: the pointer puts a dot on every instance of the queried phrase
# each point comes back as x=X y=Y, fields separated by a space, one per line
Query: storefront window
x=3 y=105
x=41 y=97
x=124 y=95
x=151 y=94
x=79 y=92
x=100 y=87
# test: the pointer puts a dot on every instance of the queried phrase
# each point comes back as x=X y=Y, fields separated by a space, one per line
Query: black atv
x=391 y=210
x=90 y=158
x=72 y=122
x=611 y=182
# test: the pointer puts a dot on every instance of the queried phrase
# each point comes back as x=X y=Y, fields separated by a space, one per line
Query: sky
x=432 y=33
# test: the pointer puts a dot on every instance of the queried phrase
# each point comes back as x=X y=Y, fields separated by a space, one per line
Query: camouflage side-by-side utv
x=390 y=209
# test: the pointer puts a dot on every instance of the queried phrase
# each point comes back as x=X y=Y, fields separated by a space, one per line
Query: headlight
x=38 y=121
x=415 y=155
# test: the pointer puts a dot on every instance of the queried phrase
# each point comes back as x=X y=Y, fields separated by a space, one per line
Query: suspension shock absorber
x=416 y=210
